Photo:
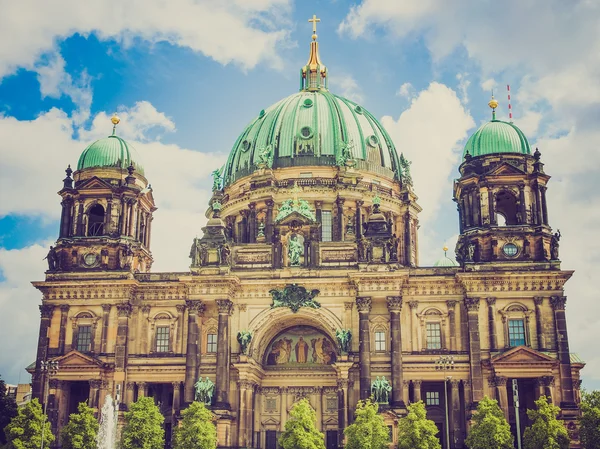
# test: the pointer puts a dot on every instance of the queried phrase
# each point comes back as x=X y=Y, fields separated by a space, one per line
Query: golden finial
x=314 y=21
x=493 y=103
x=445 y=248
x=115 y=121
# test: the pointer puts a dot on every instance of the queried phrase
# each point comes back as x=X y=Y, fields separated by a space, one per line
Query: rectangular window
x=162 y=339
x=379 y=341
x=516 y=332
x=434 y=336
x=326 y=226
x=211 y=343
x=84 y=338
x=432 y=397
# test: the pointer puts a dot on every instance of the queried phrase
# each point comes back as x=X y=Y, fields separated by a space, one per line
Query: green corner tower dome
x=495 y=137
x=445 y=261
x=110 y=152
x=313 y=127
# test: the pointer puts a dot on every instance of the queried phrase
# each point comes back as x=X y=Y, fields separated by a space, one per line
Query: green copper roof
x=312 y=128
x=497 y=137
x=111 y=151
x=445 y=262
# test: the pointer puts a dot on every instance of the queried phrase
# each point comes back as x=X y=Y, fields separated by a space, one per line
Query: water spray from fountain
x=107 y=433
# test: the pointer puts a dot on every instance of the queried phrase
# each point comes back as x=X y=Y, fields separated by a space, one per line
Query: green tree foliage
x=546 y=432
x=415 y=431
x=143 y=426
x=25 y=429
x=300 y=429
x=490 y=430
x=8 y=410
x=82 y=429
x=197 y=429
x=589 y=423
x=368 y=430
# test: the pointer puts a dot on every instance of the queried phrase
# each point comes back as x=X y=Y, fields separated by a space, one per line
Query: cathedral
x=306 y=283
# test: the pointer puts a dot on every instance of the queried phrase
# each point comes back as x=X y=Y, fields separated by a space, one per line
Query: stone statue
x=265 y=157
x=194 y=252
x=392 y=247
x=405 y=167
x=344 y=338
x=244 y=338
x=344 y=157
x=217 y=180
x=380 y=390
x=361 y=247
x=261 y=230
x=52 y=258
x=203 y=254
x=350 y=225
x=470 y=252
x=204 y=391
x=294 y=251
x=224 y=254
x=554 y=245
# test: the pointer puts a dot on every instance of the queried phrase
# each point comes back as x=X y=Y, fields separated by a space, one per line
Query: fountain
x=107 y=433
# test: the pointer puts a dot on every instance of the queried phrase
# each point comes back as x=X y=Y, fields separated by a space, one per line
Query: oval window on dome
x=372 y=140
x=261 y=114
x=510 y=250
x=358 y=109
x=306 y=132
x=245 y=146
x=308 y=103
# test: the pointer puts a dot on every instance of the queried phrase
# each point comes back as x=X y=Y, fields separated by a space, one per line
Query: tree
x=490 y=430
x=197 y=430
x=300 y=429
x=589 y=423
x=8 y=410
x=143 y=426
x=82 y=430
x=546 y=432
x=25 y=429
x=415 y=431
x=368 y=430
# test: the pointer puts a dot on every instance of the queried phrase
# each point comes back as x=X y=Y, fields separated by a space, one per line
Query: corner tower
x=107 y=208
x=501 y=198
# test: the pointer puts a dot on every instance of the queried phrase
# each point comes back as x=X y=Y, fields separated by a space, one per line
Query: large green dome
x=497 y=136
x=310 y=128
x=111 y=151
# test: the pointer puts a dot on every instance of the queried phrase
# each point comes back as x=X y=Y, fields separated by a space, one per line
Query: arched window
x=506 y=208
x=95 y=220
x=515 y=318
x=84 y=326
x=162 y=328
x=433 y=329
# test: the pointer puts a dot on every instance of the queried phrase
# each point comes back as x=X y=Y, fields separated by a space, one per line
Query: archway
x=95 y=220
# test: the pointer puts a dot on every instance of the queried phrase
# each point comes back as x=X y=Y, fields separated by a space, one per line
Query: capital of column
x=270 y=203
x=146 y=309
x=472 y=304
x=538 y=300
x=394 y=303
x=64 y=308
x=363 y=304
x=224 y=306
x=141 y=385
x=106 y=308
x=46 y=310
x=176 y=386
x=252 y=206
x=245 y=385
x=500 y=381
x=129 y=385
x=454 y=383
x=417 y=383
x=359 y=203
x=194 y=306
x=95 y=383
x=348 y=305
x=413 y=304
x=340 y=201
x=547 y=381
x=54 y=383
x=558 y=302
x=180 y=308
x=343 y=384
x=491 y=301
x=124 y=310
x=451 y=304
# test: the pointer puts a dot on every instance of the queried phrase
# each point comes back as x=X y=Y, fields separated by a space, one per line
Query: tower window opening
x=95 y=220
x=506 y=207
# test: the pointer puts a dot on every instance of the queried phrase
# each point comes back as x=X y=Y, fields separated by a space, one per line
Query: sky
x=186 y=76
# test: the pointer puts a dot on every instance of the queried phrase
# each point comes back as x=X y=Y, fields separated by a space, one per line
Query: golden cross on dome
x=314 y=21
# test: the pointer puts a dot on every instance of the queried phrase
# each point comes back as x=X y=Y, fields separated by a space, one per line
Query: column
x=417 y=393
x=451 y=304
x=343 y=409
x=80 y=230
x=502 y=394
x=538 y=198
x=414 y=325
x=340 y=219
x=492 y=206
x=95 y=385
x=407 y=240
x=129 y=386
x=405 y=391
x=548 y=384
x=472 y=305
x=132 y=215
x=123 y=311
x=64 y=311
x=243 y=227
x=562 y=343
x=477 y=206
x=358 y=225
x=46 y=311
x=225 y=307
x=243 y=386
x=269 y=220
x=454 y=409
x=282 y=407
x=145 y=348
x=107 y=217
x=544 y=205
x=252 y=225
x=176 y=398
x=104 y=335
x=180 y=313
x=318 y=391
x=467 y=393
x=541 y=343
x=149 y=232
x=123 y=216
x=522 y=205
x=191 y=374
x=491 y=302
x=363 y=304
x=394 y=304
x=142 y=389
x=65 y=217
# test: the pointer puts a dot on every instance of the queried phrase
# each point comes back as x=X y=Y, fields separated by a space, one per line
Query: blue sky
x=187 y=76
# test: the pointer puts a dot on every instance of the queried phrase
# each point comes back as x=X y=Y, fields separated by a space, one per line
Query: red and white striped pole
x=509 y=105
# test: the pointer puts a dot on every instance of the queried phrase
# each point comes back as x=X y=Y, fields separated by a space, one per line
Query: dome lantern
x=313 y=75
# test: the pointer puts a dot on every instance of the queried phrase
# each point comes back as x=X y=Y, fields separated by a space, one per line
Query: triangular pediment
x=297 y=217
x=77 y=359
x=94 y=183
x=330 y=420
x=522 y=355
x=270 y=421
x=505 y=169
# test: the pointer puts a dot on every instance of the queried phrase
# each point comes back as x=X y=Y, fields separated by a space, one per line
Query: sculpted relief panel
x=299 y=347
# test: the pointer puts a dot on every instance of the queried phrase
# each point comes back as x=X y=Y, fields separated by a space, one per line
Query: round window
x=372 y=140
x=90 y=259
x=358 y=109
x=245 y=145
x=510 y=249
x=308 y=103
x=306 y=132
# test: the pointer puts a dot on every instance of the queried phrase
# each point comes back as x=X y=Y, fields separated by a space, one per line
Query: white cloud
x=489 y=84
x=406 y=90
x=348 y=87
x=228 y=31
x=463 y=87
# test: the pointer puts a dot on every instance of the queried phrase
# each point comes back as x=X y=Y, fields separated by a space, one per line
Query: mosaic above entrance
x=301 y=346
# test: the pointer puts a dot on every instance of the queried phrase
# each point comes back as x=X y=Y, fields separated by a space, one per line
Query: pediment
x=505 y=169
x=297 y=217
x=522 y=355
x=76 y=359
x=330 y=420
x=94 y=183
x=270 y=421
